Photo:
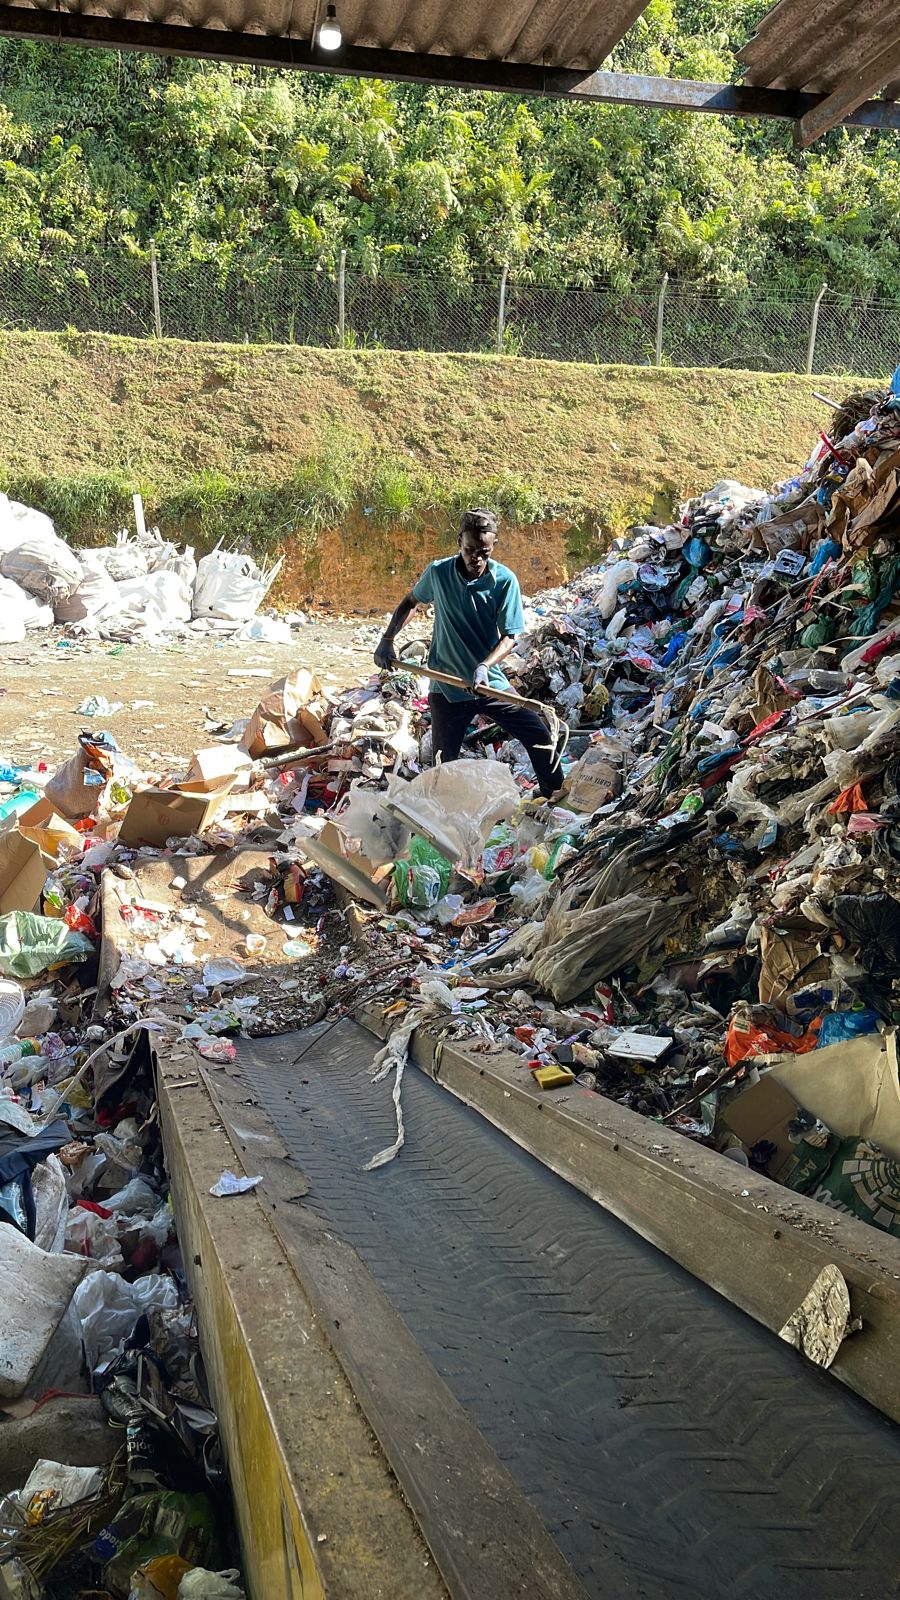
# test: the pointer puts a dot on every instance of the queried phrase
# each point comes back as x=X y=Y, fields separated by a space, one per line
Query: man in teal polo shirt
x=477 y=614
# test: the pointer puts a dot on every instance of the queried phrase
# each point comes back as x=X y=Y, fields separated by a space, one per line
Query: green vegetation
x=85 y=420
x=219 y=162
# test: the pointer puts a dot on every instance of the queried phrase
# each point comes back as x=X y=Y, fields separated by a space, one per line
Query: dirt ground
x=165 y=691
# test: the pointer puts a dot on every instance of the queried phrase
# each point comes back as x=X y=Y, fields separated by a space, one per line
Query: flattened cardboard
x=851 y=1086
x=22 y=873
x=353 y=872
x=763 y=1112
x=156 y=815
x=216 y=767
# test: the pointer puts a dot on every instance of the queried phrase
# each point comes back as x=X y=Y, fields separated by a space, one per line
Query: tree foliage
x=100 y=149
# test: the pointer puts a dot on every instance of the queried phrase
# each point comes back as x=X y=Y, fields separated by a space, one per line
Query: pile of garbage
x=139 y=588
x=702 y=926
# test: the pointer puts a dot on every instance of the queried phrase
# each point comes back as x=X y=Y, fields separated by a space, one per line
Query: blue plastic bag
x=840 y=1025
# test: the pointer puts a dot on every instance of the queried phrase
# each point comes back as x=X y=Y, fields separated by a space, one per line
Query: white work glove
x=481 y=679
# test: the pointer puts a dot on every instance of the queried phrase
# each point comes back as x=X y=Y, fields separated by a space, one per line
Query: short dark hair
x=477 y=521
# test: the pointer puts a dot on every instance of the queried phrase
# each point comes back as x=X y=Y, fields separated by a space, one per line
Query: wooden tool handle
x=506 y=695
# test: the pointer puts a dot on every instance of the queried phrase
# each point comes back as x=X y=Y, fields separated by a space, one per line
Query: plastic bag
x=14 y=612
x=96 y=594
x=108 y=1308
x=421 y=879
x=19 y=522
x=90 y=1234
x=199 y=1584
x=51 y=1203
x=621 y=573
x=230 y=587
x=871 y=922
x=745 y=1040
x=265 y=630
x=382 y=837
x=152 y=604
x=124 y=560
x=43 y=565
x=530 y=890
x=501 y=851
x=29 y=944
x=455 y=806
x=839 y=1026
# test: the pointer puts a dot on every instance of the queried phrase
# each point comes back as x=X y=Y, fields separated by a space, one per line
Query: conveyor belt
x=671 y=1446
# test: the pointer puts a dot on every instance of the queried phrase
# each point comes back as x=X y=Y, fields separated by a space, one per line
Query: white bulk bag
x=230 y=586
x=43 y=565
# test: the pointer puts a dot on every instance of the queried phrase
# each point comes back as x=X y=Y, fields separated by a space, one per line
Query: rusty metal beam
x=505 y=77
x=854 y=89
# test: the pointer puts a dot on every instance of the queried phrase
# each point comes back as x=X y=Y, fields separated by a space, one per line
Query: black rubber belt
x=671 y=1446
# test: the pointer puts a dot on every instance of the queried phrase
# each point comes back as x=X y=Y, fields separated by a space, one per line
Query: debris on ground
x=702 y=926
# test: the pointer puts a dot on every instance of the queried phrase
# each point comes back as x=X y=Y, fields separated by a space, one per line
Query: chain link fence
x=260 y=299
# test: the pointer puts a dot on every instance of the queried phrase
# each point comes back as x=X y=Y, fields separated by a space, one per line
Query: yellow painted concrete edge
x=760 y=1245
x=318 y=1508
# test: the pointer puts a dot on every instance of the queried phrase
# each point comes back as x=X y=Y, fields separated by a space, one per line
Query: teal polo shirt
x=471 y=616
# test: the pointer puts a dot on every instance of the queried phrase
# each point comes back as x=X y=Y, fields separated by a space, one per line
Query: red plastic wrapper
x=80 y=922
x=743 y=1044
x=849 y=800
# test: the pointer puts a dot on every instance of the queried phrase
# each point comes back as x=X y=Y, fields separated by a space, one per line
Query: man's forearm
x=400 y=618
x=500 y=651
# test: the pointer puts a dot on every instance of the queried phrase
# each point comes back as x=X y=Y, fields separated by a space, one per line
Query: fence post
x=154 y=284
x=342 y=274
x=660 y=313
x=813 y=329
x=501 y=309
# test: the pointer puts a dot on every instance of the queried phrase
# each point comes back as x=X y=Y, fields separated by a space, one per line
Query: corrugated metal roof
x=817 y=45
x=553 y=33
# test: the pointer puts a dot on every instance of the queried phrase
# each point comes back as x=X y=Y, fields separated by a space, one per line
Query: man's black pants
x=450 y=721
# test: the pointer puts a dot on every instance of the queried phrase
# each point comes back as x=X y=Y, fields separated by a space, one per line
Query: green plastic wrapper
x=29 y=944
x=421 y=878
x=850 y=1175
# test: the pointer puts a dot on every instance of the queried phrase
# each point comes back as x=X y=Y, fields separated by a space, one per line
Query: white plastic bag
x=88 y=1234
x=14 y=611
x=230 y=586
x=18 y=523
x=43 y=565
x=109 y=1307
x=96 y=593
x=265 y=630
x=152 y=604
x=607 y=599
x=51 y=1203
x=125 y=560
x=200 y=1584
x=456 y=805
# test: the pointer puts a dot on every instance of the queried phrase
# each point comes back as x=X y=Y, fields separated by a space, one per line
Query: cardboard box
x=353 y=871
x=22 y=873
x=287 y=717
x=215 y=767
x=156 y=815
x=46 y=828
x=763 y=1112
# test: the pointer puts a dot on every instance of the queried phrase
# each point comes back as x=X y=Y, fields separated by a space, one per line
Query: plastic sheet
x=109 y=1307
x=30 y=944
x=455 y=806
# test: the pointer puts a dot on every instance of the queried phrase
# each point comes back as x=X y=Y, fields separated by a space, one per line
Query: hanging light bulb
x=330 y=36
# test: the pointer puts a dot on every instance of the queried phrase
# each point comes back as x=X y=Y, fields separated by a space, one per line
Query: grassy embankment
x=357 y=462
